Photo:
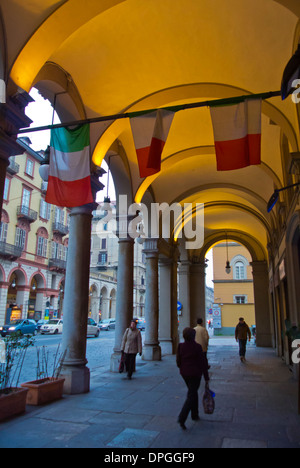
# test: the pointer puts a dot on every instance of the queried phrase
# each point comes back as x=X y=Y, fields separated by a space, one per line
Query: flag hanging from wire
x=150 y=133
x=237 y=133
x=69 y=183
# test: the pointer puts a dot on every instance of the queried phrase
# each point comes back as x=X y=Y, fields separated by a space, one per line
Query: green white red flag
x=69 y=183
x=237 y=133
x=150 y=133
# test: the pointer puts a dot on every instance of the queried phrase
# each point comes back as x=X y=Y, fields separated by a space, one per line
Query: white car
x=53 y=327
x=92 y=328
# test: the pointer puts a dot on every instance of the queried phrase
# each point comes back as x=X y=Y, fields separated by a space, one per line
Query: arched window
x=239 y=267
x=239 y=271
x=42 y=243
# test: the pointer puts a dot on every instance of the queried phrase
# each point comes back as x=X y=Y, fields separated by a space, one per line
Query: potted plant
x=13 y=397
x=48 y=386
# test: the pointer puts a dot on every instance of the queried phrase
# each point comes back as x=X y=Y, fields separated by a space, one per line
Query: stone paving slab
x=256 y=407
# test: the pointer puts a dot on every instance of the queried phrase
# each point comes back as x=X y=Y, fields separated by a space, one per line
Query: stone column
x=124 y=306
x=168 y=318
x=152 y=350
x=76 y=302
x=184 y=296
x=197 y=293
x=262 y=304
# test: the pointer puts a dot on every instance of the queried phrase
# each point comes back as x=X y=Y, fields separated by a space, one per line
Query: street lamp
x=275 y=197
x=228 y=267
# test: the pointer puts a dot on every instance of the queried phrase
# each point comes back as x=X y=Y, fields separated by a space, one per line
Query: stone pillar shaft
x=152 y=350
x=168 y=319
x=262 y=304
x=197 y=293
x=76 y=302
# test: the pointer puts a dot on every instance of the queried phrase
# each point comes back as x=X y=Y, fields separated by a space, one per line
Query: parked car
x=52 y=327
x=107 y=324
x=21 y=327
x=92 y=328
x=141 y=323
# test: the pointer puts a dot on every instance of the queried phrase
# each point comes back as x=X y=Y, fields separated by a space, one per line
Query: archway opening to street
x=233 y=295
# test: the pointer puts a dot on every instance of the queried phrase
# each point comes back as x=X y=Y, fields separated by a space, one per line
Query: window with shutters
x=42 y=247
x=45 y=210
x=3 y=232
x=20 y=238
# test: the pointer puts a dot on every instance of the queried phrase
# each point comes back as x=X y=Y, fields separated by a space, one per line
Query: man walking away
x=202 y=337
x=242 y=331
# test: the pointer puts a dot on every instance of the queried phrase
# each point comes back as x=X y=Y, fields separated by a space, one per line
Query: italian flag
x=150 y=133
x=69 y=183
x=237 y=133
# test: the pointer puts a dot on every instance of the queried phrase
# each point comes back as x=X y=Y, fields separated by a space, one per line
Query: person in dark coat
x=242 y=332
x=192 y=364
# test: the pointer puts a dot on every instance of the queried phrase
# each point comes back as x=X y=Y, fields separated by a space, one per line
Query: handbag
x=122 y=364
x=208 y=401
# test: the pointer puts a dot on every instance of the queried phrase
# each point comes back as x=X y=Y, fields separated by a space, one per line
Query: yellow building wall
x=232 y=312
x=226 y=287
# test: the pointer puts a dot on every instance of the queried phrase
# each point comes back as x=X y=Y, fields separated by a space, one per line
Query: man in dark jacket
x=192 y=364
x=242 y=331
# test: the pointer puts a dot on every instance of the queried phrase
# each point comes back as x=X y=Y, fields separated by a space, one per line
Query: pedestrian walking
x=242 y=332
x=202 y=337
x=192 y=365
x=131 y=346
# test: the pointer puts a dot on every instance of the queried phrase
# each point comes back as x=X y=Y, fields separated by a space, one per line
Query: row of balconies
x=31 y=216
x=12 y=252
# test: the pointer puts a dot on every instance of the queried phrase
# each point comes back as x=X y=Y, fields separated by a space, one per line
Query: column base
x=77 y=380
x=264 y=340
x=115 y=360
x=167 y=346
x=151 y=353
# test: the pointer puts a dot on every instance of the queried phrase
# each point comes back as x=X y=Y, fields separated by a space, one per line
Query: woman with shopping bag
x=131 y=346
x=192 y=364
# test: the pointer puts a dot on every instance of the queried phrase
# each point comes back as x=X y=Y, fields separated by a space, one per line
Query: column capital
x=151 y=247
x=259 y=267
x=81 y=210
x=12 y=118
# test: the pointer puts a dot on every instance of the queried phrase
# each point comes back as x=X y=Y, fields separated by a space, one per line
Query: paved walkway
x=256 y=407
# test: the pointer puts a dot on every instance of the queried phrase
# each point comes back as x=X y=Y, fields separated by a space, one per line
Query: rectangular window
x=42 y=247
x=26 y=198
x=20 y=238
x=240 y=299
x=3 y=232
x=102 y=259
x=6 y=189
x=29 y=167
x=59 y=216
x=45 y=210
x=103 y=244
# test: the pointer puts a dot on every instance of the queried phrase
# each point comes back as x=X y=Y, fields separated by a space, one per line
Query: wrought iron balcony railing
x=25 y=212
x=9 y=251
x=57 y=264
x=60 y=228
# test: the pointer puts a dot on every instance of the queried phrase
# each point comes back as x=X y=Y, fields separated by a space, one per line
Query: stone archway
x=37 y=297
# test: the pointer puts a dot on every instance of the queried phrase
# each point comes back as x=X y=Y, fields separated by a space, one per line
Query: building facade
x=104 y=264
x=234 y=293
x=33 y=243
